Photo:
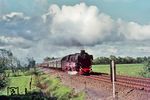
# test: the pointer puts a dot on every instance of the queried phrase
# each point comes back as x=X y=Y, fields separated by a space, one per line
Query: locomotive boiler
x=78 y=63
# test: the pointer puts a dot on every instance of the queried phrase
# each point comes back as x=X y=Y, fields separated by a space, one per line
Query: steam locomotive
x=78 y=63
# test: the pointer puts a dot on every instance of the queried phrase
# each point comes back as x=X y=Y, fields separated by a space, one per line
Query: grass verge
x=121 y=69
x=52 y=86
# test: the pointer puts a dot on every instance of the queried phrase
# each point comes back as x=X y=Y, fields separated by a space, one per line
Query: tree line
x=9 y=62
x=120 y=60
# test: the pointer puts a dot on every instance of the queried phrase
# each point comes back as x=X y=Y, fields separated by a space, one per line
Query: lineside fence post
x=113 y=77
x=111 y=71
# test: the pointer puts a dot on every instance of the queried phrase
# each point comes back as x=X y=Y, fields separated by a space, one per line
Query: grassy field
x=21 y=81
x=58 y=90
x=122 y=69
x=48 y=84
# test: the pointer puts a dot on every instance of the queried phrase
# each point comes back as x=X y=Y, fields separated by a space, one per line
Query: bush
x=52 y=87
x=27 y=73
x=36 y=95
x=3 y=83
x=146 y=69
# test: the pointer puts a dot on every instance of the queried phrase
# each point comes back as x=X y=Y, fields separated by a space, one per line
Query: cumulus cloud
x=18 y=24
x=133 y=30
x=112 y=50
x=18 y=42
x=79 y=24
x=14 y=16
x=77 y=27
x=144 y=48
x=85 y=25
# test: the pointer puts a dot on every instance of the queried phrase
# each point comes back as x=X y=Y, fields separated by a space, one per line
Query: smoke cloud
x=86 y=25
x=78 y=25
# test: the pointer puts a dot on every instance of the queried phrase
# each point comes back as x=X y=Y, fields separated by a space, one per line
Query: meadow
x=121 y=69
x=21 y=81
x=48 y=84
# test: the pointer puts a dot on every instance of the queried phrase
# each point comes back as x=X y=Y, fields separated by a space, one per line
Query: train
x=78 y=63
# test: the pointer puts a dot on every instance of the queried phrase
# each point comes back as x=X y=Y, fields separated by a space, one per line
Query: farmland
x=49 y=85
x=21 y=81
x=121 y=69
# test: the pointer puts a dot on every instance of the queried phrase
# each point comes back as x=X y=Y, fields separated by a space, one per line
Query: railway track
x=131 y=82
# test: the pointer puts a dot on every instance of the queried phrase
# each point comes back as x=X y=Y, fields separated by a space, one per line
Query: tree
x=48 y=59
x=4 y=64
x=120 y=60
x=139 y=60
x=146 y=69
x=31 y=63
x=96 y=61
x=112 y=57
x=15 y=65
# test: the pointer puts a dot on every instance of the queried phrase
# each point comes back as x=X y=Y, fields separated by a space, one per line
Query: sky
x=55 y=28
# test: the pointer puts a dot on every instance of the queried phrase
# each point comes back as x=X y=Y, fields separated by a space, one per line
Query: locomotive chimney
x=82 y=51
